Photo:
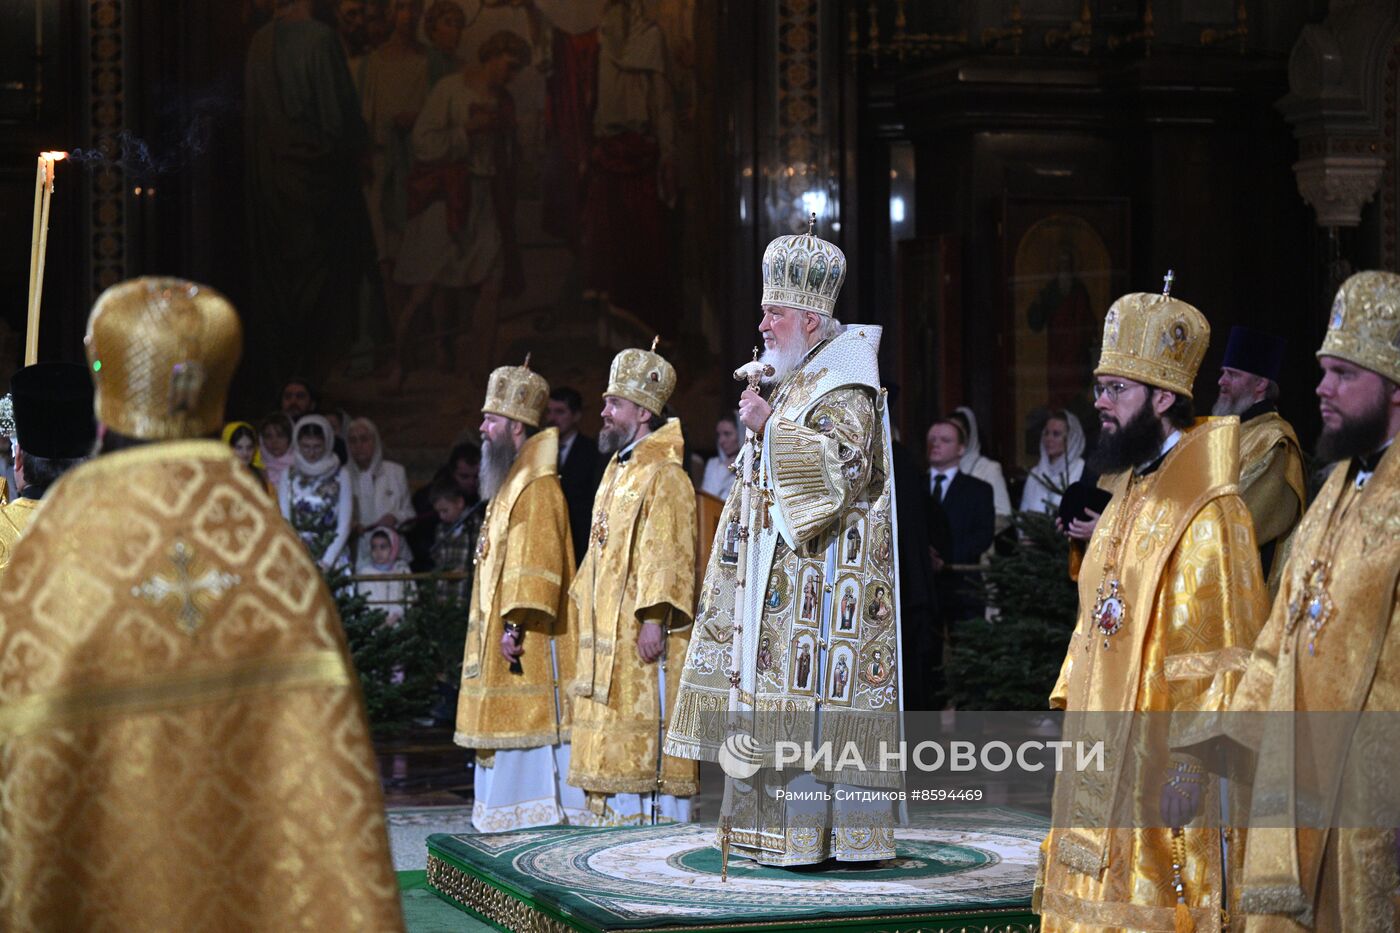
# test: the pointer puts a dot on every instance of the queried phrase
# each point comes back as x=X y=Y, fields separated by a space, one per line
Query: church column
x=1341 y=106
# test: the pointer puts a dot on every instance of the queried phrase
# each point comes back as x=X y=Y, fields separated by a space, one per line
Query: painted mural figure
x=393 y=87
x=443 y=25
x=460 y=232
x=631 y=178
x=1062 y=309
x=308 y=234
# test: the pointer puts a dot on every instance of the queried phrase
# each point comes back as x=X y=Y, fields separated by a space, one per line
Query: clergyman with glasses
x=1170 y=594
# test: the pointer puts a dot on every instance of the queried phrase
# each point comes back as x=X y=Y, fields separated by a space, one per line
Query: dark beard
x=1355 y=437
x=496 y=461
x=1138 y=441
x=611 y=440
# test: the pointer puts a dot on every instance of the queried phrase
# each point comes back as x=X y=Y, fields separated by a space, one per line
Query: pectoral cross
x=190 y=591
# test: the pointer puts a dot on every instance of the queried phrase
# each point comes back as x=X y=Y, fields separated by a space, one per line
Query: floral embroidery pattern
x=313 y=511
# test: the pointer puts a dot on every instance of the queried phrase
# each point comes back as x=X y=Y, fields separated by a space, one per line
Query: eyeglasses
x=1112 y=389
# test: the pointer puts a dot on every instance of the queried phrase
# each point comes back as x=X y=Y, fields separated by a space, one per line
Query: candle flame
x=49 y=159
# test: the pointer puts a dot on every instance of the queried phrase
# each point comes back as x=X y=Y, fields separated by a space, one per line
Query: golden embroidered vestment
x=525 y=561
x=1272 y=485
x=640 y=565
x=182 y=740
x=14 y=519
x=1332 y=644
x=1188 y=574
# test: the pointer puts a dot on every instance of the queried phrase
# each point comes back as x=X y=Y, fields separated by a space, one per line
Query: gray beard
x=496 y=462
x=611 y=440
x=1223 y=407
x=784 y=360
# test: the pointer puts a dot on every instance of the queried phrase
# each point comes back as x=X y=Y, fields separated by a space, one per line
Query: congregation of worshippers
x=177 y=588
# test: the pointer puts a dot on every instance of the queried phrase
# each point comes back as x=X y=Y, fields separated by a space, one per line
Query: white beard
x=784 y=361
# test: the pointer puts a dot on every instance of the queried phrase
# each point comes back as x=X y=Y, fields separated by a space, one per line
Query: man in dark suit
x=922 y=638
x=962 y=520
x=579 y=465
x=961 y=523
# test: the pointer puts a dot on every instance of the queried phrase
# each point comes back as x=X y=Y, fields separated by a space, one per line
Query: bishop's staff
x=751 y=372
x=38 y=247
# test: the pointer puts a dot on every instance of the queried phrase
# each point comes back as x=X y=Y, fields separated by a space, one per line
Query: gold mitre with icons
x=162 y=352
x=1364 y=327
x=1154 y=339
x=803 y=271
x=642 y=377
x=518 y=393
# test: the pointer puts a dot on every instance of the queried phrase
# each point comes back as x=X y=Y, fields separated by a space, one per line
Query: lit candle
x=38 y=247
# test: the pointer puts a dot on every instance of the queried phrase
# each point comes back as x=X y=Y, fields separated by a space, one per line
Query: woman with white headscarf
x=1061 y=463
x=315 y=494
x=987 y=470
x=379 y=486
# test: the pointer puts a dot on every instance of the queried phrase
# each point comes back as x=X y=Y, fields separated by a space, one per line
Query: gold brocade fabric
x=14 y=518
x=182 y=741
x=1272 y=484
x=525 y=563
x=1342 y=879
x=1189 y=575
x=640 y=560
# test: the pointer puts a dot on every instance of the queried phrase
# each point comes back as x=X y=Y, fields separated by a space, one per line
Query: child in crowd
x=454 y=545
x=383 y=557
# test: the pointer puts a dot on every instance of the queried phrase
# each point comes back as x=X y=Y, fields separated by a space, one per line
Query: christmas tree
x=1012 y=661
x=406 y=667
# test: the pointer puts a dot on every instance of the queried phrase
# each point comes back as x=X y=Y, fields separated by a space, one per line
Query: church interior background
x=995 y=171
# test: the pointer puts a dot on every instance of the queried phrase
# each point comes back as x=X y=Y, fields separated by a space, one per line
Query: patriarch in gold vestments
x=1170 y=595
x=807 y=649
x=632 y=601
x=519 y=651
x=1331 y=649
x=1272 y=481
x=182 y=741
x=52 y=430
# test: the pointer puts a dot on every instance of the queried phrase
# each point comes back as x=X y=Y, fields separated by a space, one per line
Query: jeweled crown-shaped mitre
x=1155 y=339
x=643 y=377
x=803 y=271
x=518 y=393
x=162 y=352
x=1364 y=327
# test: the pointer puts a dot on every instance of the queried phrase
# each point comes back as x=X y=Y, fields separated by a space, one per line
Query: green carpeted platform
x=972 y=871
